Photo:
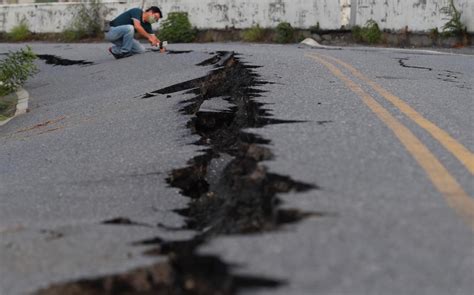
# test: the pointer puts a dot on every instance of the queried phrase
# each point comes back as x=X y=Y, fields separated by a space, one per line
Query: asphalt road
x=389 y=142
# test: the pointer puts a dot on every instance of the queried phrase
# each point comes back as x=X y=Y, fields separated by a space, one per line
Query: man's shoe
x=120 y=55
x=126 y=54
x=117 y=56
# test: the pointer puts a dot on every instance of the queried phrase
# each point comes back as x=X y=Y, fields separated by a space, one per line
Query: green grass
x=253 y=34
x=3 y=118
x=20 y=32
x=87 y=22
x=71 y=35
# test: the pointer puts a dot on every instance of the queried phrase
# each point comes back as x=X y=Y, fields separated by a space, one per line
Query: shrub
x=20 y=32
x=357 y=33
x=15 y=69
x=370 y=33
x=254 y=34
x=177 y=28
x=454 y=26
x=87 y=22
x=284 y=33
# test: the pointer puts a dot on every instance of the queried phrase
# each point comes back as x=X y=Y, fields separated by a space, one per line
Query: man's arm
x=150 y=37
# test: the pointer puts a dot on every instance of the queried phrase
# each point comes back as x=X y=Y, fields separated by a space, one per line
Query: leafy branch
x=454 y=26
x=16 y=69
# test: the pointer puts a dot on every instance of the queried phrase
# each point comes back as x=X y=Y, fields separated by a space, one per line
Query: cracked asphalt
x=91 y=150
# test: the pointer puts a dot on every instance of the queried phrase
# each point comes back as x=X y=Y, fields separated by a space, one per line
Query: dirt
x=42 y=124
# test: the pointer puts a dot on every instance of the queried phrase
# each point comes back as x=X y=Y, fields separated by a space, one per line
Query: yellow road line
x=465 y=156
x=437 y=173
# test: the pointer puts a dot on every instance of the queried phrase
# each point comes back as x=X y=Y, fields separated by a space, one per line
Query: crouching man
x=123 y=28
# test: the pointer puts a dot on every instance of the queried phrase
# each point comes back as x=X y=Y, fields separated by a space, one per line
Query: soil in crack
x=231 y=191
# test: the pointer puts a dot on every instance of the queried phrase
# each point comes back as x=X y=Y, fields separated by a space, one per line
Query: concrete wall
x=267 y=13
x=48 y=17
x=418 y=15
x=215 y=14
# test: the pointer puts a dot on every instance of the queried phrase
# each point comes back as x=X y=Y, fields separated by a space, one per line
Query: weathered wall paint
x=418 y=15
x=220 y=14
x=47 y=17
x=215 y=14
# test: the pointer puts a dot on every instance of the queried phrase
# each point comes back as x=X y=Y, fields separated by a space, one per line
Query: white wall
x=419 y=15
x=267 y=13
x=47 y=17
x=215 y=14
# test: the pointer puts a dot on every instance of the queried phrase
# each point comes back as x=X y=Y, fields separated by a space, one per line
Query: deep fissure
x=230 y=191
x=59 y=61
x=242 y=196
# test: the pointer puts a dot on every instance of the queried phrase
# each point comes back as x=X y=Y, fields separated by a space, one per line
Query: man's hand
x=151 y=37
x=153 y=40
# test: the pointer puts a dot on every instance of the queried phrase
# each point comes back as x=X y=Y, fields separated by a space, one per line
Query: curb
x=314 y=44
x=21 y=106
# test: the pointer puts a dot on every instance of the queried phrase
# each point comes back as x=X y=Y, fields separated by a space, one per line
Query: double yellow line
x=454 y=194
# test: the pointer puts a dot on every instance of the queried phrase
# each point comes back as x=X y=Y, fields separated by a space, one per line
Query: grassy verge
x=15 y=69
x=336 y=37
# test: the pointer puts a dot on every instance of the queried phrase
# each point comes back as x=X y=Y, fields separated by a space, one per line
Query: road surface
x=384 y=137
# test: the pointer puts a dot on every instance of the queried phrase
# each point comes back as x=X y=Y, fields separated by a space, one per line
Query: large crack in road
x=230 y=190
x=59 y=61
